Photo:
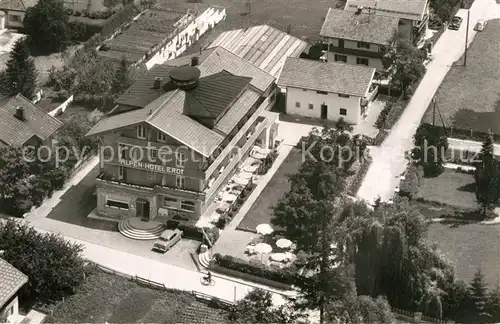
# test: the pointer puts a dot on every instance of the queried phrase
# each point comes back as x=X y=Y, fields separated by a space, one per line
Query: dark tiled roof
x=37 y=122
x=11 y=280
x=237 y=111
x=186 y=59
x=348 y=25
x=216 y=92
x=326 y=76
x=406 y=9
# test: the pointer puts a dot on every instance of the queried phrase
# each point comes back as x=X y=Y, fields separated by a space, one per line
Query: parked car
x=167 y=239
x=480 y=25
x=455 y=23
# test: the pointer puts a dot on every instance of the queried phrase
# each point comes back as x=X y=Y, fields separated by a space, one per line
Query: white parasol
x=283 y=243
x=280 y=257
x=264 y=229
x=263 y=248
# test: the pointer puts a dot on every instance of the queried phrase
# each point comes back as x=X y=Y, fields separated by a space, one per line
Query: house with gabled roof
x=358 y=38
x=11 y=281
x=413 y=14
x=327 y=90
x=179 y=133
x=13 y=12
x=23 y=123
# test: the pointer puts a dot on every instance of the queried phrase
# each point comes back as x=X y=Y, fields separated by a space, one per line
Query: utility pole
x=466 y=37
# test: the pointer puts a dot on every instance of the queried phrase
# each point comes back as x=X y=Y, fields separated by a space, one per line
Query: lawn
x=303 y=18
x=468 y=98
x=450 y=188
x=109 y=298
x=469 y=247
x=261 y=212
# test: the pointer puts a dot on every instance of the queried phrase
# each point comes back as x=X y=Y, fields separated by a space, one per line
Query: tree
x=257 y=307
x=365 y=309
x=494 y=305
x=21 y=73
x=121 y=79
x=54 y=266
x=479 y=294
x=431 y=144
x=487 y=176
x=47 y=24
x=408 y=63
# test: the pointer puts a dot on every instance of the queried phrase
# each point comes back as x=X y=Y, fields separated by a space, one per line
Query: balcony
x=356 y=52
x=418 y=26
x=372 y=92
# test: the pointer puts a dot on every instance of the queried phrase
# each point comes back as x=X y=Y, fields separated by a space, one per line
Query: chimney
x=19 y=114
x=359 y=10
x=157 y=83
x=194 y=60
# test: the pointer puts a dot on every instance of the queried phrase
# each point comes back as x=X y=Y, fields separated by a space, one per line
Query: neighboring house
x=358 y=38
x=11 y=281
x=159 y=35
x=24 y=123
x=327 y=90
x=199 y=117
x=264 y=46
x=413 y=14
x=14 y=11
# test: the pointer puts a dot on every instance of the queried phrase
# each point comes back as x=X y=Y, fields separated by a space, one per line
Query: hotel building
x=179 y=133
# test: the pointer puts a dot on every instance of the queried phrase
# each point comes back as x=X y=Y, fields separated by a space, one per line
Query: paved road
x=472 y=146
x=388 y=159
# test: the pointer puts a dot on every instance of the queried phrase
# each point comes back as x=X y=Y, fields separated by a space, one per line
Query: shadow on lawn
x=471 y=187
x=465 y=217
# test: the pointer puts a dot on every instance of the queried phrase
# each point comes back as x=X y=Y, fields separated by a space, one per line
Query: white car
x=480 y=25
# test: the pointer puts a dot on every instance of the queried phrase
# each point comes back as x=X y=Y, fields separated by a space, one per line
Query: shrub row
x=81 y=32
x=358 y=178
x=381 y=135
x=380 y=123
x=256 y=272
x=268 y=162
x=91 y=14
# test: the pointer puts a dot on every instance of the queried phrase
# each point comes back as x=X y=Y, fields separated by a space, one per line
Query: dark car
x=455 y=23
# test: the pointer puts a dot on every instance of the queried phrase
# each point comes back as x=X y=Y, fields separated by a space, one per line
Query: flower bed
x=277 y=278
x=233 y=209
x=267 y=163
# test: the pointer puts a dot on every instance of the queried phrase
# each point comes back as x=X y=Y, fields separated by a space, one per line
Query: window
x=362 y=61
x=161 y=137
x=188 y=205
x=311 y=106
x=343 y=111
x=180 y=160
x=341 y=95
x=297 y=104
x=15 y=18
x=137 y=154
x=170 y=202
x=124 y=151
x=116 y=204
x=150 y=175
x=322 y=92
x=340 y=58
x=180 y=181
x=141 y=132
x=121 y=172
x=363 y=45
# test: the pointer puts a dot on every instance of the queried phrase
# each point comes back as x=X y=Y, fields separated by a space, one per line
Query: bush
x=81 y=32
x=286 y=276
x=212 y=233
x=409 y=186
x=358 y=180
x=191 y=232
x=382 y=117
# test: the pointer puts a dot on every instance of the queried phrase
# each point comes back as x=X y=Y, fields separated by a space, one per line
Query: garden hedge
x=257 y=273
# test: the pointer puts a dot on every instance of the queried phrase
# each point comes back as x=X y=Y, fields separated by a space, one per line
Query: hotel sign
x=152 y=167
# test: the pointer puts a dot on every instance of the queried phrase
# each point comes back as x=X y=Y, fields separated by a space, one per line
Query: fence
x=62 y=107
x=416 y=317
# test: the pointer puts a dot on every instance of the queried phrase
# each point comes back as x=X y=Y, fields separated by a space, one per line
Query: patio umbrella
x=280 y=257
x=263 y=248
x=264 y=229
x=283 y=243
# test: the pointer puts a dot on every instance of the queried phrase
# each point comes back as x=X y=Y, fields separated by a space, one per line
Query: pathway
x=471 y=146
x=389 y=161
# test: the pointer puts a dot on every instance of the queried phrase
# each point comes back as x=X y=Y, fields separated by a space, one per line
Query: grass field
x=303 y=18
x=469 y=247
x=469 y=96
x=109 y=298
x=261 y=212
x=450 y=188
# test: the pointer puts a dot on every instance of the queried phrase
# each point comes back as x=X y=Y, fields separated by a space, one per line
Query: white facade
x=343 y=56
x=13 y=19
x=310 y=103
x=207 y=20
